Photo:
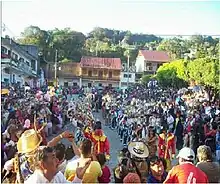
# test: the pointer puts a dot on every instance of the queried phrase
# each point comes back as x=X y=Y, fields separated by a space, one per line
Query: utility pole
x=128 y=63
x=55 y=72
x=10 y=64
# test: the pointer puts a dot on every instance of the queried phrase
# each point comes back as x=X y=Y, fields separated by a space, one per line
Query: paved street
x=115 y=143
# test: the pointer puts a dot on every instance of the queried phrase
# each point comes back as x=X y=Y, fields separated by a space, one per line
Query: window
x=4 y=50
x=105 y=72
x=125 y=76
x=74 y=84
x=158 y=65
x=18 y=83
x=100 y=84
x=110 y=85
x=129 y=76
x=65 y=84
x=6 y=81
x=100 y=74
x=110 y=75
x=16 y=57
x=9 y=52
x=148 y=64
x=33 y=66
x=90 y=73
x=150 y=68
x=7 y=70
x=116 y=73
x=21 y=59
x=95 y=72
x=13 y=78
x=84 y=71
x=89 y=85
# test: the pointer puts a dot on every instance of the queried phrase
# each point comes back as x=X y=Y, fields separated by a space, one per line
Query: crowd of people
x=167 y=122
x=155 y=126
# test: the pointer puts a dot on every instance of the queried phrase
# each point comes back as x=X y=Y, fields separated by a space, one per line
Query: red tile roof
x=96 y=62
x=156 y=56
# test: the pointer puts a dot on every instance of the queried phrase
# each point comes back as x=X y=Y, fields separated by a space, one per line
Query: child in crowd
x=105 y=178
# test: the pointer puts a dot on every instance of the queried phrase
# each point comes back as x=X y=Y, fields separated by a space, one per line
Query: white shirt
x=38 y=177
x=170 y=121
x=207 y=110
x=62 y=166
x=74 y=158
x=74 y=122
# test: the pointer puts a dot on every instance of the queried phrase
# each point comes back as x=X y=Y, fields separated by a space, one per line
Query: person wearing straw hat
x=27 y=146
x=139 y=152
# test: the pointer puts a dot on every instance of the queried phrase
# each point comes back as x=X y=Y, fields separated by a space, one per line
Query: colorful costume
x=100 y=141
x=166 y=145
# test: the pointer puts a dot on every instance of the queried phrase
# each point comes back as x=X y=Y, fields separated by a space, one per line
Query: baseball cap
x=186 y=153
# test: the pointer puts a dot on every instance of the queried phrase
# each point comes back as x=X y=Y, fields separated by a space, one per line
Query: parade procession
x=155 y=130
x=110 y=92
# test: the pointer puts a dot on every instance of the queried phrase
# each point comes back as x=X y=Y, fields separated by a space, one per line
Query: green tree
x=176 y=47
x=69 y=43
x=204 y=71
x=33 y=35
x=172 y=74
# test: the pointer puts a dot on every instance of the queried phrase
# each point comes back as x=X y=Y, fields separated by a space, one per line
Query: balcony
x=7 y=61
x=113 y=78
x=20 y=67
x=25 y=68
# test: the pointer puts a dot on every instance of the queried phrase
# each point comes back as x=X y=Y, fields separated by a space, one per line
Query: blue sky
x=142 y=16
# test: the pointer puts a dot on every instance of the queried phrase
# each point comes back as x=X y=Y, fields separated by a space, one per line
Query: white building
x=127 y=77
x=17 y=65
x=148 y=61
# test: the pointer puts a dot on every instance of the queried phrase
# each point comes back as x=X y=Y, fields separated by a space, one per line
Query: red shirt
x=106 y=174
x=186 y=173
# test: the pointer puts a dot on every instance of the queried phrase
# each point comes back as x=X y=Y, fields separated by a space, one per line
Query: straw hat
x=29 y=141
x=138 y=149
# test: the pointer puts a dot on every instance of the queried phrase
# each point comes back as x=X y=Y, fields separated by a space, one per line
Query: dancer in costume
x=166 y=147
x=100 y=141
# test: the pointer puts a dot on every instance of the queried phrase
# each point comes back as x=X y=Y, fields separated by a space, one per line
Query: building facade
x=69 y=74
x=127 y=75
x=18 y=66
x=100 y=71
x=148 y=61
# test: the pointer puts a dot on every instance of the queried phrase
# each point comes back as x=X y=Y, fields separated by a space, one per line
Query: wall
x=139 y=64
x=97 y=82
x=69 y=69
x=19 y=55
x=105 y=74
x=153 y=66
x=125 y=79
x=18 y=78
x=69 y=80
